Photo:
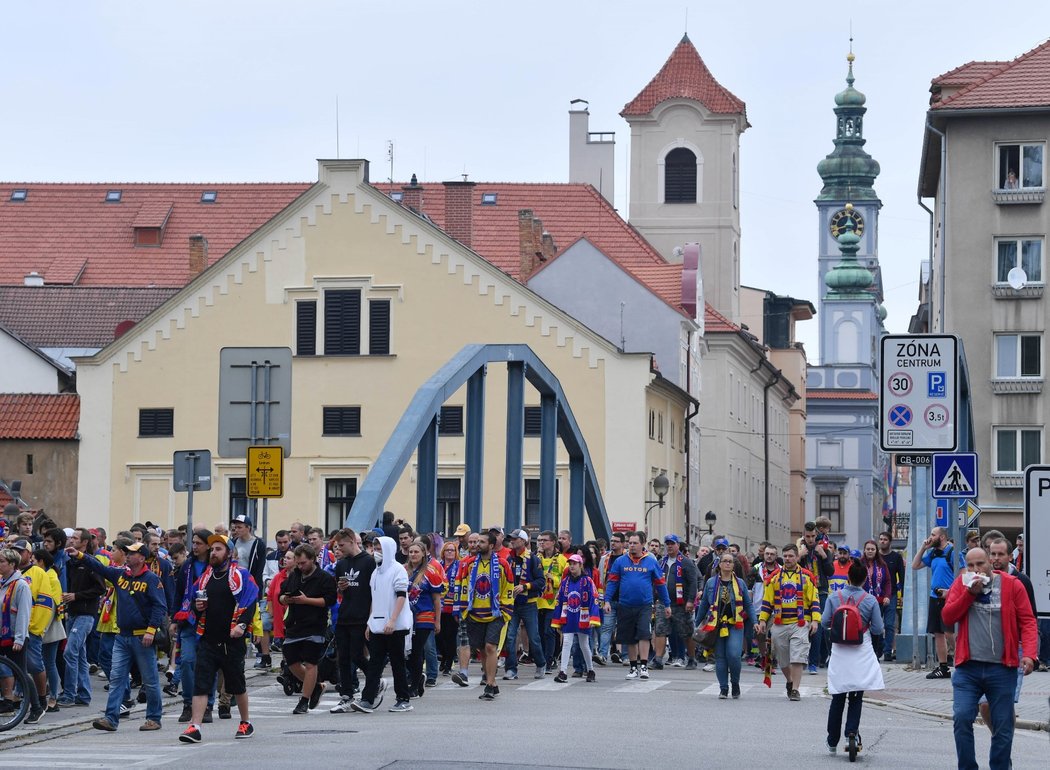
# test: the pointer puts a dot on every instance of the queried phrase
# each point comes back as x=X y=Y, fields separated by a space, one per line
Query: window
x=238 y=497
x=341 y=421
x=339 y=496
x=1017 y=448
x=831 y=506
x=488 y=199
x=1018 y=355
x=1026 y=253
x=397 y=197
x=1020 y=166
x=672 y=434
x=450 y=423
x=448 y=506
x=533 y=421
x=29 y=464
x=652 y=423
x=17 y=196
x=680 y=176
x=379 y=327
x=829 y=454
x=209 y=196
x=532 y=502
x=306 y=328
x=113 y=196
x=660 y=427
x=156 y=422
x=342 y=322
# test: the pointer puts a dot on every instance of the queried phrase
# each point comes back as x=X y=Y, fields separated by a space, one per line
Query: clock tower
x=849 y=177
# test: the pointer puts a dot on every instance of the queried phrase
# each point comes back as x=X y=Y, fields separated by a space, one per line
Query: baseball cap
x=242 y=518
x=219 y=539
x=134 y=548
x=855 y=553
x=520 y=533
x=844 y=547
x=721 y=542
x=461 y=530
x=497 y=530
x=672 y=539
x=576 y=557
x=21 y=545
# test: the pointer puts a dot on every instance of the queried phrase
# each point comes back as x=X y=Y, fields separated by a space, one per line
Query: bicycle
x=22 y=686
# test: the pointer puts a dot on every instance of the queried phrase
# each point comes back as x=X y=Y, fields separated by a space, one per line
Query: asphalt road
x=675 y=717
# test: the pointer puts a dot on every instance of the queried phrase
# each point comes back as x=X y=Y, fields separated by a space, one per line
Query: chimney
x=535 y=245
x=198 y=253
x=413 y=195
x=592 y=154
x=34 y=279
x=459 y=210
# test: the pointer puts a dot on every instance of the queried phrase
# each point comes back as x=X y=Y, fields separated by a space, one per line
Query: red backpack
x=847 y=624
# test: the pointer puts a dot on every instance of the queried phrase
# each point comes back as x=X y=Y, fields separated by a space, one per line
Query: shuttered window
x=379 y=327
x=342 y=322
x=451 y=421
x=156 y=422
x=680 y=176
x=306 y=328
x=341 y=421
x=532 y=420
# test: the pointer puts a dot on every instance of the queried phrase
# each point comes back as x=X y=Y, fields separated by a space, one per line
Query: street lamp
x=710 y=519
x=660 y=486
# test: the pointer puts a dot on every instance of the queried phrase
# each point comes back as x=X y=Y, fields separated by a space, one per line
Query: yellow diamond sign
x=265 y=471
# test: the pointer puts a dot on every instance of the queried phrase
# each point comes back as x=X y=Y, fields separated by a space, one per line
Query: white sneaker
x=709 y=667
x=678 y=663
x=644 y=673
x=632 y=674
x=343 y=706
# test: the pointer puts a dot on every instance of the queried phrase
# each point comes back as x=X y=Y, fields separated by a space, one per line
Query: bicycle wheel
x=20 y=709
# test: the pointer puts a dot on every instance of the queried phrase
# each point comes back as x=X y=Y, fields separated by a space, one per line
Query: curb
x=1022 y=724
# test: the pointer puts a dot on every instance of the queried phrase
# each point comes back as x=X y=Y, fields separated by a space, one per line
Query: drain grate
x=318 y=732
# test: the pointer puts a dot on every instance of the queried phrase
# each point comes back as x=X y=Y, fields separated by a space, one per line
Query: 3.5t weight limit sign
x=917 y=397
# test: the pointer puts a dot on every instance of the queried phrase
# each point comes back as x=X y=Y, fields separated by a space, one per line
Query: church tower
x=684 y=170
x=847 y=198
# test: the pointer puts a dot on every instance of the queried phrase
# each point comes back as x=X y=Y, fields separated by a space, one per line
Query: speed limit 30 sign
x=917 y=397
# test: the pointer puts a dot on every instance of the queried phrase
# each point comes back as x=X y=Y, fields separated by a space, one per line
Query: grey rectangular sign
x=192 y=468
x=255 y=399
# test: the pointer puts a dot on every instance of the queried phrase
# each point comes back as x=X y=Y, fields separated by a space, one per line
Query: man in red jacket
x=995 y=623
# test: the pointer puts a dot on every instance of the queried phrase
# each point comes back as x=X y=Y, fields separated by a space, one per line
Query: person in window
x=1011 y=180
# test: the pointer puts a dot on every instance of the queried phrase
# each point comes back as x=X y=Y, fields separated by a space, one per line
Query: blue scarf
x=494 y=576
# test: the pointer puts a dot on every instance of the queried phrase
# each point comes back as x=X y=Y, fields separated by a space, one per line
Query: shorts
x=481 y=634
x=302 y=652
x=633 y=623
x=267 y=618
x=791 y=643
x=215 y=658
x=934 y=624
x=34 y=654
x=680 y=622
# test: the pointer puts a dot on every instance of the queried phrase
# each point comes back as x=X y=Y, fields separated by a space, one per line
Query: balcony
x=1018 y=197
x=1017 y=385
x=1028 y=291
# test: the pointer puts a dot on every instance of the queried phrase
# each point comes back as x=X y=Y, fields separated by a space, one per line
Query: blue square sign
x=955 y=476
x=936 y=384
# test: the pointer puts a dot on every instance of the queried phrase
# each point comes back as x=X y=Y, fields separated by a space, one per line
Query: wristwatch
x=243 y=626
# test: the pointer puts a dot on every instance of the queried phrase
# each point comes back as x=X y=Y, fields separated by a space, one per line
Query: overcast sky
x=246 y=91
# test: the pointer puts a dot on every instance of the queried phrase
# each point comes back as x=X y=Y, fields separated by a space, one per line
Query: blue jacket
x=870 y=611
x=140 y=598
x=636 y=583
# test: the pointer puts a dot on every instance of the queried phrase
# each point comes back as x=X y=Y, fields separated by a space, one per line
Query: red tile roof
x=968 y=73
x=39 y=416
x=685 y=76
x=1023 y=82
x=70 y=235
x=716 y=322
x=843 y=395
x=75 y=316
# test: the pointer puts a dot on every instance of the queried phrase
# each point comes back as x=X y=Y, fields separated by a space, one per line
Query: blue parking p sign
x=936 y=385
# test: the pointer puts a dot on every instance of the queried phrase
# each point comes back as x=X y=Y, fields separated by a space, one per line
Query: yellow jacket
x=553 y=568
x=47 y=595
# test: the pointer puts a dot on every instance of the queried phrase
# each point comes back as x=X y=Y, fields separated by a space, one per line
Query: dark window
x=29 y=464
x=113 y=196
x=379 y=327
x=341 y=421
x=19 y=195
x=147 y=236
x=680 y=176
x=306 y=328
x=448 y=506
x=342 y=322
x=488 y=199
x=209 y=196
x=533 y=421
x=532 y=502
x=238 y=497
x=338 y=499
x=451 y=421
x=156 y=422
x=831 y=507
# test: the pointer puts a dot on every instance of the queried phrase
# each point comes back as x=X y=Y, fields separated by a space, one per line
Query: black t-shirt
x=305 y=620
x=357 y=598
x=219 y=614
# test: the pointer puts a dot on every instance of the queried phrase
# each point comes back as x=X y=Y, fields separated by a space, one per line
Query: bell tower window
x=680 y=176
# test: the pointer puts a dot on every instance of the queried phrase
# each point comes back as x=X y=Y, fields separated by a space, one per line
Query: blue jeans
x=838 y=704
x=51 y=667
x=527 y=614
x=1044 y=640
x=970 y=681
x=188 y=641
x=607 y=630
x=105 y=652
x=77 y=683
x=889 y=620
x=432 y=657
x=125 y=650
x=548 y=633
x=727 y=657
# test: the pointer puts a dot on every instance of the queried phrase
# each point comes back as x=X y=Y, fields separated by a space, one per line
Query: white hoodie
x=389 y=578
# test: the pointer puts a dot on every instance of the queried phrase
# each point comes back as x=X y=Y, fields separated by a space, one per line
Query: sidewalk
x=911 y=690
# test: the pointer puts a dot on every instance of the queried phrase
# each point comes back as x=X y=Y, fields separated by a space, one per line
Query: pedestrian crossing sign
x=955 y=475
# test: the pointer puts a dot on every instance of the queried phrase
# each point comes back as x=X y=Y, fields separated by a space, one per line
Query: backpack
x=847 y=624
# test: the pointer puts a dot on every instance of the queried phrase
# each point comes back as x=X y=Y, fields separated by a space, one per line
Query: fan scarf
x=242 y=586
x=724 y=622
x=494 y=576
x=675 y=577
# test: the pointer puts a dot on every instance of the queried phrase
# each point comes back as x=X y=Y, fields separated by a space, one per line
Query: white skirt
x=854 y=667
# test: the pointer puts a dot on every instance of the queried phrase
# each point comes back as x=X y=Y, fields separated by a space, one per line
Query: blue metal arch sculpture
x=417 y=430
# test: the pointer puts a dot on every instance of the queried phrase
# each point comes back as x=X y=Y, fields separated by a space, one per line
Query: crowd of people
x=144 y=611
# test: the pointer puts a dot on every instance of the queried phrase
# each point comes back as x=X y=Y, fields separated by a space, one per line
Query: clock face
x=837 y=223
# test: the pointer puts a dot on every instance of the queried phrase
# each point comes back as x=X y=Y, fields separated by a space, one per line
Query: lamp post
x=660 y=486
x=710 y=519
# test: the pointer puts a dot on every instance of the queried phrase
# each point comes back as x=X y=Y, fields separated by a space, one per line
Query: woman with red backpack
x=852 y=617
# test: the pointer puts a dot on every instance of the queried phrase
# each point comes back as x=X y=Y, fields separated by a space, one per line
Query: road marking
x=548 y=685
x=641 y=686
x=715 y=689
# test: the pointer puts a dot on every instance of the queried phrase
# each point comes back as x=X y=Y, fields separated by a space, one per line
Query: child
x=576 y=612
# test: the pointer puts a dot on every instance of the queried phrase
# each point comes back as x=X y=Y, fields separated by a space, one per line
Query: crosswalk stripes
x=548 y=685
x=641 y=686
x=38 y=756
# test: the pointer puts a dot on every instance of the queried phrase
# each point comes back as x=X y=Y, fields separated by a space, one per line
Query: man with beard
x=308 y=592
x=183 y=629
x=616 y=546
x=486 y=595
x=815 y=557
x=895 y=562
x=756 y=581
x=224 y=604
x=352 y=575
x=939 y=555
